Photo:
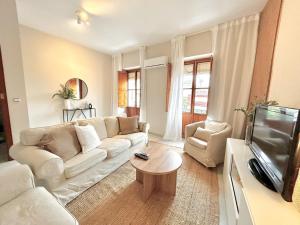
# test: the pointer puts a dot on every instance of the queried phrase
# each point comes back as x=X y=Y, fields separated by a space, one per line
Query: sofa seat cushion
x=84 y=161
x=35 y=207
x=197 y=142
x=134 y=138
x=114 y=146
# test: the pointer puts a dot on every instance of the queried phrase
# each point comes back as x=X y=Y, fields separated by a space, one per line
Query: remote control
x=141 y=156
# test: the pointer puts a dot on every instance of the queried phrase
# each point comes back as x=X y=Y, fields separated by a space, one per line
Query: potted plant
x=249 y=114
x=65 y=93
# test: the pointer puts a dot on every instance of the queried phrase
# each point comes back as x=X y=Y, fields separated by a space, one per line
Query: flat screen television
x=274 y=142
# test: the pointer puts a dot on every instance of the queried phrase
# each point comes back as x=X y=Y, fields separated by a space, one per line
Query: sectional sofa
x=66 y=180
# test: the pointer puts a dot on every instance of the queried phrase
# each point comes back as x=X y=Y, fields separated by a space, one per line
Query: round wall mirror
x=79 y=87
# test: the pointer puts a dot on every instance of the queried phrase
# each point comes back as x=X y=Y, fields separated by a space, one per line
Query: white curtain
x=143 y=100
x=234 y=58
x=117 y=66
x=174 y=119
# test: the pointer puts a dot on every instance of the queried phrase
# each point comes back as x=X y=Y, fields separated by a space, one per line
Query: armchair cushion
x=15 y=179
x=197 y=143
x=35 y=206
x=82 y=162
x=203 y=134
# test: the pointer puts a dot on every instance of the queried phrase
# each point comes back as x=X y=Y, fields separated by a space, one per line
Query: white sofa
x=21 y=203
x=210 y=153
x=66 y=180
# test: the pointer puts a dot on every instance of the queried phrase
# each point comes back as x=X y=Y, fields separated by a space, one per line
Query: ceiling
x=117 y=25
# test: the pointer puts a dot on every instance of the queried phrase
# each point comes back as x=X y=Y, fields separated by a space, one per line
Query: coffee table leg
x=167 y=183
x=139 y=176
x=148 y=185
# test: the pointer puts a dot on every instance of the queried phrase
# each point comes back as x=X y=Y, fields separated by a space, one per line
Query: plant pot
x=248 y=133
x=68 y=104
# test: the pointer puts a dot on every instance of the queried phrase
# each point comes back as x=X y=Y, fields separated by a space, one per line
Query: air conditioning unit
x=161 y=61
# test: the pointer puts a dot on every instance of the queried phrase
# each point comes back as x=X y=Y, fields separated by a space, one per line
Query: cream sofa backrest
x=105 y=127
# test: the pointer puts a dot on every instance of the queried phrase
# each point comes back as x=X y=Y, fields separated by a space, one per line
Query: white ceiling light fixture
x=82 y=17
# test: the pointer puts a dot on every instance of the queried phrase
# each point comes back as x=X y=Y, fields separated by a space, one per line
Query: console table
x=67 y=117
x=248 y=202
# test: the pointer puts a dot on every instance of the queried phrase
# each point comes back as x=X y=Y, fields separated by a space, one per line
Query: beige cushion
x=197 y=142
x=112 y=126
x=88 y=137
x=134 y=138
x=82 y=162
x=114 y=146
x=35 y=207
x=61 y=141
x=214 y=126
x=128 y=125
x=98 y=124
x=203 y=134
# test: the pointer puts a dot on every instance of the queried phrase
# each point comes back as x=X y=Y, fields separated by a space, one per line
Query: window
x=196 y=83
x=134 y=88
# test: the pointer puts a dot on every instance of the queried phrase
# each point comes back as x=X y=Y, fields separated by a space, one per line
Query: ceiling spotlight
x=82 y=17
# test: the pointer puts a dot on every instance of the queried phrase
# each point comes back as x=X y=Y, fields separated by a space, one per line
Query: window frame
x=195 y=64
x=135 y=71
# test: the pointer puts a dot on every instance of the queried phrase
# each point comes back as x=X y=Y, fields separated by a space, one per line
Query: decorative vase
x=67 y=103
x=248 y=133
x=296 y=193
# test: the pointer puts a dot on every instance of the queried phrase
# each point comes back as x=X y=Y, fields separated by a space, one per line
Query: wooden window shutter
x=122 y=89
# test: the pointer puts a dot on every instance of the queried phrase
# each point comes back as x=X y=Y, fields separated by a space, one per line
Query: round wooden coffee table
x=159 y=172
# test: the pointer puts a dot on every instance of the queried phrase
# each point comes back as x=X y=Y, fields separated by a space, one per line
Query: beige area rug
x=117 y=199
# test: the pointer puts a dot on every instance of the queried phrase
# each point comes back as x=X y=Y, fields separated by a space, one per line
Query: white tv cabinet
x=248 y=202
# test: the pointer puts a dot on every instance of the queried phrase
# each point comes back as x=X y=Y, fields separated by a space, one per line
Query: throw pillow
x=98 y=124
x=203 y=134
x=61 y=141
x=214 y=126
x=87 y=137
x=128 y=125
x=112 y=126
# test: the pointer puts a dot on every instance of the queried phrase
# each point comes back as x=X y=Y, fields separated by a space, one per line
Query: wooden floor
x=118 y=199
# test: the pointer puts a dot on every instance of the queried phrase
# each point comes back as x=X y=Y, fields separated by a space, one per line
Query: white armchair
x=22 y=203
x=211 y=152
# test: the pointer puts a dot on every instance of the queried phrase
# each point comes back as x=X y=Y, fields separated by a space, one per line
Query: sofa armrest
x=144 y=127
x=44 y=164
x=190 y=129
x=15 y=179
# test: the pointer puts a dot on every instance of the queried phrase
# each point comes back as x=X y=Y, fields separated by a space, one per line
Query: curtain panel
x=234 y=58
x=173 y=129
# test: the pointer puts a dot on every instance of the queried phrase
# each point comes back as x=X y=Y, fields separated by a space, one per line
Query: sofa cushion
x=114 y=146
x=203 y=134
x=128 y=125
x=88 y=137
x=61 y=141
x=197 y=142
x=35 y=207
x=82 y=162
x=112 y=126
x=98 y=124
x=134 y=138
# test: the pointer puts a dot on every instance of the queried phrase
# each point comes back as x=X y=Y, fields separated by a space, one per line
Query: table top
x=161 y=161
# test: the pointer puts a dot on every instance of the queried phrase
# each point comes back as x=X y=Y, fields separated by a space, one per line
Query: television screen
x=272 y=140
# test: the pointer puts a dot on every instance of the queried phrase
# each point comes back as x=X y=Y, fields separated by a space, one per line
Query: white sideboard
x=248 y=202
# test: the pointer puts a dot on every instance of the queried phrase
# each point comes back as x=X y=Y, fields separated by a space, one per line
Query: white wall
x=50 y=61
x=13 y=69
x=285 y=80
